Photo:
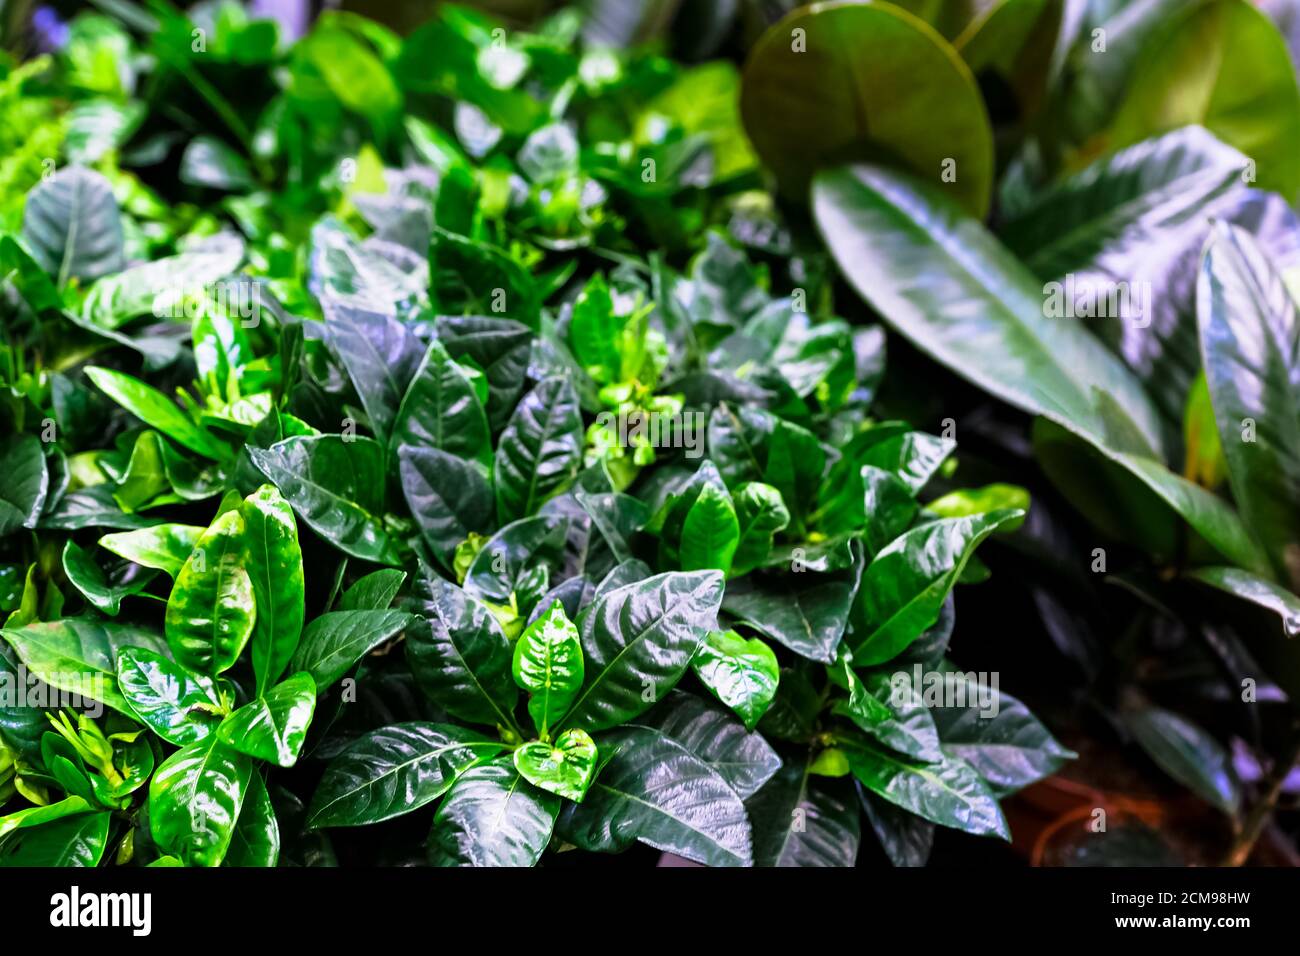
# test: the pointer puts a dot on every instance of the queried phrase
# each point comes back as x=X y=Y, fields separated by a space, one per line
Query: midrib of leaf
x=397 y=768
x=70 y=241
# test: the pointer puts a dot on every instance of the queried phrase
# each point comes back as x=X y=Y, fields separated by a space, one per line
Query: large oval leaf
x=540 y=451
x=336 y=640
x=195 y=801
x=492 y=817
x=274 y=726
x=449 y=498
x=211 y=610
x=72 y=226
x=442 y=410
x=802 y=820
x=274 y=564
x=176 y=703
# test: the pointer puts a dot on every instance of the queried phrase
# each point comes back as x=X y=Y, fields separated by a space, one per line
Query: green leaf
x=274 y=565
x=804 y=821
x=1250 y=344
x=176 y=703
x=374 y=592
x=1235 y=60
x=78 y=840
x=154 y=408
x=379 y=354
x=492 y=817
x=1257 y=590
x=540 y=451
x=1188 y=754
x=459 y=655
x=865 y=79
x=159 y=288
x=638 y=641
x=547 y=663
x=517 y=562
x=80 y=655
x=336 y=640
x=442 y=410
x=105 y=592
x=26 y=484
x=256 y=840
x=449 y=498
x=195 y=801
x=906 y=838
x=211 y=610
x=500 y=347
x=908 y=726
x=164 y=547
x=336 y=485
x=948 y=793
x=654 y=790
x=760 y=514
x=72 y=226
x=711 y=532
x=741 y=673
x=594 y=332
x=904 y=587
x=274 y=726
x=565 y=767
x=395 y=770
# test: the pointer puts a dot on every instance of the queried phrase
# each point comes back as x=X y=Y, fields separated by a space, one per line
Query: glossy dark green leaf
x=805 y=821
x=654 y=790
x=177 y=704
x=906 y=838
x=72 y=226
x=72 y=841
x=26 y=483
x=256 y=840
x=1250 y=344
x=638 y=641
x=1257 y=590
x=441 y=410
x=274 y=726
x=92 y=507
x=274 y=565
x=492 y=817
x=80 y=655
x=154 y=408
x=449 y=498
x=548 y=664
x=904 y=587
x=374 y=592
x=1189 y=754
x=710 y=533
x=948 y=793
x=459 y=654
x=336 y=640
x=907 y=728
x=395 y=770
x=211 y=611
x=164 y=547
x=540 y=451
x=104 y=591
x=806 y=612
x=195 y=801
x=336 y=485
x=564 y=767
x=518 y=560
x=741 y=673
x=500 y=347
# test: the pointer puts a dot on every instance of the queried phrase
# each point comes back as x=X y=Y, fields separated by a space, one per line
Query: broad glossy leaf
x=743 y=758
x=638 y=641
x=948 y=793
x=564 y=767
x=211 y=611
x=274 y=565
x=72 y=226
x=195 y=801
x=859 y=79
x=154 y=408
x=1250 y=343
x=274 y=726
x=904 y=587
x=374 y=592
x=92 y=507
x=449 y=498
x=395 y=770
x=492 y=817
x=540 y=451
x=256 y=840
x=157 y=287
x=760 y=515
x=177 y=704
x=654 y=790
x=906 y=838
x=441 y=410
x=1257 y=590
x=26 y=483
x=548 y=664
x=908 y=727
x=104 y=591
x=1188 y=754
x=458 y=653
x=500 y=347
x=164 y=546
x=35 y=816
x=710 y=533
x=518 y=560
x=802 y=820
x=72 y=841
x=337 y=487
x=940 y=279
x=336 y=640
x=79 y=655
x=741 y=673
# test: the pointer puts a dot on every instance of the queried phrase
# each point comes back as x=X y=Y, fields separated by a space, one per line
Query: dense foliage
x=481 y=440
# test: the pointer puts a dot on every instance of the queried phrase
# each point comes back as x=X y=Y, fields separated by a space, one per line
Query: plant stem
x=1262 y=811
